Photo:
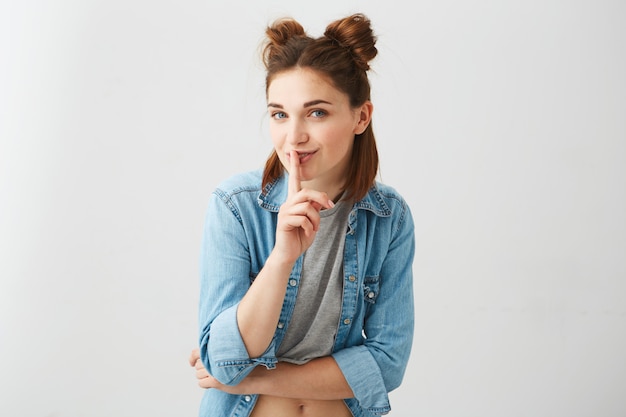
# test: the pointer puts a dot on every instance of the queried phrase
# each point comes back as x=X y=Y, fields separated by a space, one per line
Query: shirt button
x=370 y=295
x=346 y=321
x=281 y=325
x=247 y=398
x=352 y=278
x=293 y=282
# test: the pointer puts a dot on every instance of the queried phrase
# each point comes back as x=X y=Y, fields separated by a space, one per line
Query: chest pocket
x=371 y=286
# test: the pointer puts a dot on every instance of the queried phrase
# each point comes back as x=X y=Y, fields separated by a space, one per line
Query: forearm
x=259 y=310
x=298 y=221
x=319 y=379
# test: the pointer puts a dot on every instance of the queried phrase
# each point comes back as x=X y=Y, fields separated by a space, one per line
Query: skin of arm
x=319 y=379
x=259 y=310
x=298 y=221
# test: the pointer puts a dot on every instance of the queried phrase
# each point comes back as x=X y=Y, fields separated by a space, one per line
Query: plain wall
x=501 y=122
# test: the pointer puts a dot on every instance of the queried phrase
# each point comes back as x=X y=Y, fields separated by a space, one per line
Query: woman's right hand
x=298 y=217
x=298 y=221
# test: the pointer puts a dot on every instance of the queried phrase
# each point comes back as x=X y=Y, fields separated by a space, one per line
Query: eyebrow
x=305 y=105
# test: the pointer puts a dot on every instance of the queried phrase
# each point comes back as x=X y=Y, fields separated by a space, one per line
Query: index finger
x=294 y=173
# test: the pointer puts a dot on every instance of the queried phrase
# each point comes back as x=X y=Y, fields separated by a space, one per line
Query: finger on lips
x=294 y=174
x=318 y=199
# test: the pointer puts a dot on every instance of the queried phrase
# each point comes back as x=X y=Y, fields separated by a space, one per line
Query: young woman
x=306 y=301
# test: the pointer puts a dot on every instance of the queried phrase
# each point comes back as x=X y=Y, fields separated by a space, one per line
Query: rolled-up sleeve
x=364 y=376
x=227 y=358
x=224 y=280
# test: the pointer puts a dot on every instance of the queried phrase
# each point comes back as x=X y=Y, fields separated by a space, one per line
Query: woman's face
x=310 y=116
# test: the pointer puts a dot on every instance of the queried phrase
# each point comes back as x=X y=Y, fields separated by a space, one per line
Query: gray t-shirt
x=313 y=326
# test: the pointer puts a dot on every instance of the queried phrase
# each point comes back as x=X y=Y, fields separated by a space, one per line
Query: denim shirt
x=375 y=331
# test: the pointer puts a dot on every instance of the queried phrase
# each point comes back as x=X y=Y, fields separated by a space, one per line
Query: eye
x=278 y=115
x=318 y=113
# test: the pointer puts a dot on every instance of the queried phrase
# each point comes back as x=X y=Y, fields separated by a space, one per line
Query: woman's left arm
x=319 y=379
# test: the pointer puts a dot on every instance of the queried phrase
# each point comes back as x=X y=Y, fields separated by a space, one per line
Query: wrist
x=277 y=260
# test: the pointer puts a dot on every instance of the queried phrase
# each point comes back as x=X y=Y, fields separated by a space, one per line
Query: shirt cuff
x=227 y=358
x=364 y=377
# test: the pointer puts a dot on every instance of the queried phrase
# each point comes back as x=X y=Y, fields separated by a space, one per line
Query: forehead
x=301 y=85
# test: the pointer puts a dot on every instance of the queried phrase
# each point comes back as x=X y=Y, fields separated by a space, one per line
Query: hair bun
x=280 y=32
x=355 y=34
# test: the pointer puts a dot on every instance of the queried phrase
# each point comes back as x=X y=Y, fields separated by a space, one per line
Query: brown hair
x=342 y=54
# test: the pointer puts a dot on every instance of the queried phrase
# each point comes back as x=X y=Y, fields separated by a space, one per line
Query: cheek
x=275 y=135
x=278 y=143
x=340 y=137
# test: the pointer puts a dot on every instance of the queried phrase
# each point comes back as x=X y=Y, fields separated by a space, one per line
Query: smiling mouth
x=303 y=155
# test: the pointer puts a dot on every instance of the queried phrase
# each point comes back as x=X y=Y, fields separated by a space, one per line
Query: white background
x=502 y=123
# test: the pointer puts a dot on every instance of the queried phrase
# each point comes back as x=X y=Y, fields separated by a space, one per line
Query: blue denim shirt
x=375 y=332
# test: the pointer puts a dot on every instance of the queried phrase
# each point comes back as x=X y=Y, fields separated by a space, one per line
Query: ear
x=364 y=117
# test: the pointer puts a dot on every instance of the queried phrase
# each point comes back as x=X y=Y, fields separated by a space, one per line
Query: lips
x=304 y=156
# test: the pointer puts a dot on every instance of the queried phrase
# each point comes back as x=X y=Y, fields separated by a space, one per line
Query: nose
x=297 y=133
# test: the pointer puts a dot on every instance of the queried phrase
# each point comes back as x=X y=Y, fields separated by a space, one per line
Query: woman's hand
x=298 y=217
x=205 y=380
x=319 y=379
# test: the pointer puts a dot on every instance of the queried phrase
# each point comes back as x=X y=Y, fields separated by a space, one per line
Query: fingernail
x=331 y=204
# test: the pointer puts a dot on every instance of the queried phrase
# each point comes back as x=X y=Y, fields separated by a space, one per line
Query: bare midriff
x=268 y=406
